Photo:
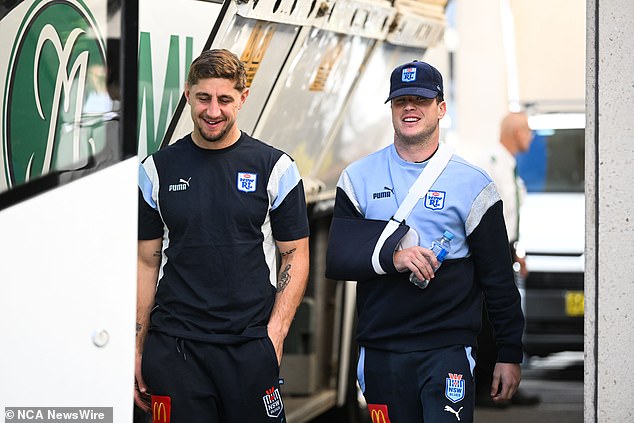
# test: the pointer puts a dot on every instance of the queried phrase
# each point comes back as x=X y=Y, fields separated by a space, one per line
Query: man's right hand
x=141 y=395
x=420 y=261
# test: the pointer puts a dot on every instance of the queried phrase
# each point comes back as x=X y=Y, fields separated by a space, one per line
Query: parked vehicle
x=552 y=233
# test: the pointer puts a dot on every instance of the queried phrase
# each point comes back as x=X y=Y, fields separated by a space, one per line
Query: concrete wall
x=609 y=211
x=549 y=36
x=481 y=98
x=511 y=52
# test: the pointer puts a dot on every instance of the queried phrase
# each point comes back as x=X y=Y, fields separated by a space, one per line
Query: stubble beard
x=421 y=138
x=216 y=138
x=213 y=139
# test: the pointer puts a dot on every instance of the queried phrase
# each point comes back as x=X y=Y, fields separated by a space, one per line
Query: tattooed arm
x=291 y=284
x=148 y=263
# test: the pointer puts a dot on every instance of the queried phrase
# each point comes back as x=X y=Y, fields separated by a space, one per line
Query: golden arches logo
x=377 y=416
x=161 y=409
x=157 y=410
x=378 y=413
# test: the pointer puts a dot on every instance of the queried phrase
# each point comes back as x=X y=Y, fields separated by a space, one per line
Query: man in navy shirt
x=215 y=209
x=417 y=345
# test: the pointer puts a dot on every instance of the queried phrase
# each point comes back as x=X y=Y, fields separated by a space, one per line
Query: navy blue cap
x=415 y=78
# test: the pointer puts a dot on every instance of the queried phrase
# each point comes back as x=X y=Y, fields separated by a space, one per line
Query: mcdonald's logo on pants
x=161 y=409
x=378 y=413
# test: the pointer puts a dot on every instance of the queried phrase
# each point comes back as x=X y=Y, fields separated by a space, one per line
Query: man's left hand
x=506 y=379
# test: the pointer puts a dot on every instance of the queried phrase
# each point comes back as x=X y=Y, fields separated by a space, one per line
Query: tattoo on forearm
x=284 y=279
x=139 y=326
x=157 y=254
x=291 y=251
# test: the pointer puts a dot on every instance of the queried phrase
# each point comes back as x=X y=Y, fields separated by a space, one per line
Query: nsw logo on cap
x=408 y=75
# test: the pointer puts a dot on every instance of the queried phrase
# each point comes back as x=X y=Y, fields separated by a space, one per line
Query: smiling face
x=415 y=119
x=214 y=106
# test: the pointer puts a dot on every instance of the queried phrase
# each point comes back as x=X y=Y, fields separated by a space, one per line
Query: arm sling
x=418 y=190
x=360 y=249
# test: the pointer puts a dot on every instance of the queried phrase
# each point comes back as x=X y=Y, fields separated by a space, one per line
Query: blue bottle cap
x=448 y=235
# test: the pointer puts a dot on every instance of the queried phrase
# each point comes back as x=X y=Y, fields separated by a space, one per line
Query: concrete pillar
x=609 y=282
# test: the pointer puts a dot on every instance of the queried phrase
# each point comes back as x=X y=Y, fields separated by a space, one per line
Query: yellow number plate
x=574 y=303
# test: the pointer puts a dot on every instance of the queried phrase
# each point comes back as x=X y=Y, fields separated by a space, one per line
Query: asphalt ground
x=558 y=381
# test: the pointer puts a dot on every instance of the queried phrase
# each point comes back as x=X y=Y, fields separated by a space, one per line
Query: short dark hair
x=218 y=63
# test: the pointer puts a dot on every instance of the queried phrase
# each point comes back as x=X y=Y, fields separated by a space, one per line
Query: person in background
x=212 y=311
x=417 y=345
x=500 y=164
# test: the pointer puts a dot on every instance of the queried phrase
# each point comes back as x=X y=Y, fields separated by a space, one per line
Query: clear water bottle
x=441 y=247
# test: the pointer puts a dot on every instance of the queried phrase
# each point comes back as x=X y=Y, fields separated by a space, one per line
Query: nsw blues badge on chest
x=435 y=200
x=247 y=181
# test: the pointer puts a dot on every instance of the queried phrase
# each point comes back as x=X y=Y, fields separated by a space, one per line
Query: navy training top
x=219 y=213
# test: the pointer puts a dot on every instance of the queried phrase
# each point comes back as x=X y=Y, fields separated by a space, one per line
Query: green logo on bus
x=54 y=87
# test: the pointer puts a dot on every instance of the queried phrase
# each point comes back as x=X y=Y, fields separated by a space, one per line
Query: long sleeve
x=352 y=241
x=493 y=271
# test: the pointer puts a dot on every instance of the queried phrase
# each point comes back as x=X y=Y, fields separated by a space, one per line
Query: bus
x=91 y=87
